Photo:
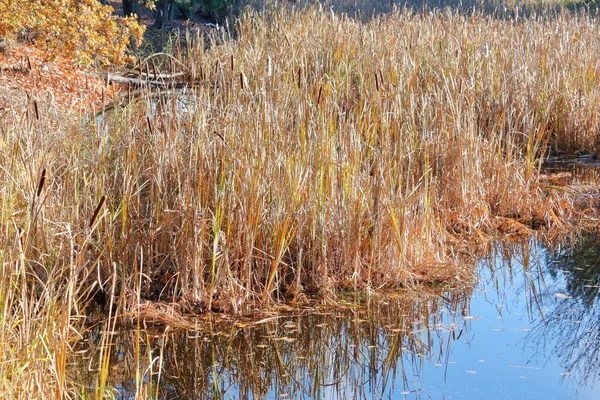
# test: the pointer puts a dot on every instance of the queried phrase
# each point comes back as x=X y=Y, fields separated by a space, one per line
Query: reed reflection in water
x=529 y=328
x=360 y=352
x=570 y=329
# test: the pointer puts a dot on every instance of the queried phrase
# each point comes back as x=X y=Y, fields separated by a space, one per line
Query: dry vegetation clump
x=315 y=153
x=322 y=153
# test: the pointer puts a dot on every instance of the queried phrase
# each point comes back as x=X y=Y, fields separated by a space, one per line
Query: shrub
x=83 y=29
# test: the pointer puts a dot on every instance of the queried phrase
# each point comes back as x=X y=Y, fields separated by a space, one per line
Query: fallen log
x=153 y=80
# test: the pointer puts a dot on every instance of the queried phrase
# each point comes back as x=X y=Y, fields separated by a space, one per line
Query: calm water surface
x=529 y=329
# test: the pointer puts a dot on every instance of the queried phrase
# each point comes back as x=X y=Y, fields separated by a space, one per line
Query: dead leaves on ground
x=53 y=82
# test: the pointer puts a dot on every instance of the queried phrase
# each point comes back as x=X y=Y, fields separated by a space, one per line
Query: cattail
x=41 y=183
x=149 y=126
x=97 y=211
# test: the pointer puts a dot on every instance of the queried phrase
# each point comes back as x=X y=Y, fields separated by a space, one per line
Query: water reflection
x=530 y=328
x=570 y=328
x=356 y=353
x=582 y=169
x=579 y=263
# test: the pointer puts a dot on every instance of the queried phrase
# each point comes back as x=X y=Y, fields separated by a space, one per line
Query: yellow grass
x=317 y=153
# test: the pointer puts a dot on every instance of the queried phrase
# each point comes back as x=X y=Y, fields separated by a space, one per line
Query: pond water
x=529 y=329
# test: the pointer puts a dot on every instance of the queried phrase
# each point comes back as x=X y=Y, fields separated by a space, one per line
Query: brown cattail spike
x=319 y=95
x=97 y=211
x=41 y=183
x=149 y=126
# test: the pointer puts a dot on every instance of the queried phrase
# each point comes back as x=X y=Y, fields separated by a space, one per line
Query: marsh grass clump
x=321 y=153
x=313 y=153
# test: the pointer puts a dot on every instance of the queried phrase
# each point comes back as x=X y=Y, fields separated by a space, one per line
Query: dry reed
x=317 y=153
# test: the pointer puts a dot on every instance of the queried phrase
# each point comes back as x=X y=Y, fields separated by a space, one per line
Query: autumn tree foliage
x=85 y=30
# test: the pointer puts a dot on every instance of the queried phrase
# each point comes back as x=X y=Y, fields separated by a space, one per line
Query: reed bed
x=313 y=153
